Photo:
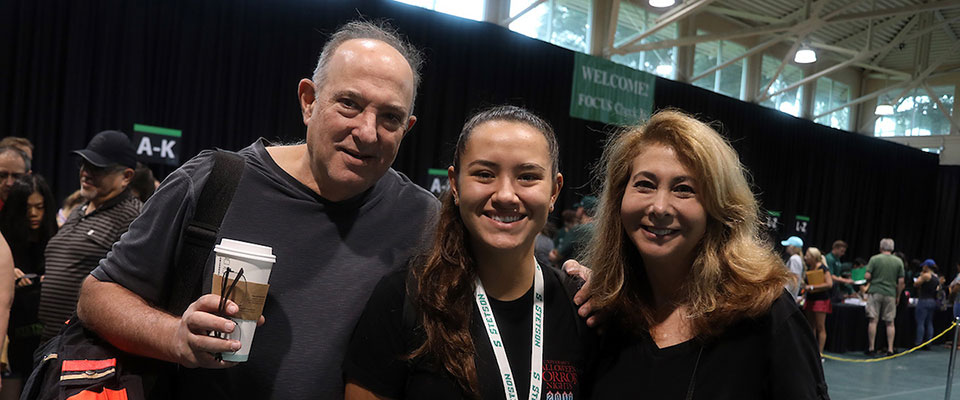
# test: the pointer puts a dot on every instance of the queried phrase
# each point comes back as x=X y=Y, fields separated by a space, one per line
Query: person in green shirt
x=836 y=268
x=885 y=276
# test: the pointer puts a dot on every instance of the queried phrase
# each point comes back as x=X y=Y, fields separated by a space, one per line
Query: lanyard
x=493 y=333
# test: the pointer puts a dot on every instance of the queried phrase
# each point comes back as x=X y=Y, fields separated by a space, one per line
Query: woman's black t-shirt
x=770 y=357
x=376 y=361
x=928 y=289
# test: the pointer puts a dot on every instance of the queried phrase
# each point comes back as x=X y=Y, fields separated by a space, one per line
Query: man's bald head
x=379 y=31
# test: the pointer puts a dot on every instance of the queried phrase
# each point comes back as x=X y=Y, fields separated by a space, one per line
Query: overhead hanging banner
x=607 y=92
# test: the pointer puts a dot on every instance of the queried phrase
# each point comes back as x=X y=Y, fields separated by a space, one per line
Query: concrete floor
x=918 y=375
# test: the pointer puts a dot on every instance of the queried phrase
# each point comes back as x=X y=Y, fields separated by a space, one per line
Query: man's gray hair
x=886 y=244
x=378 y=30
x=26 y=160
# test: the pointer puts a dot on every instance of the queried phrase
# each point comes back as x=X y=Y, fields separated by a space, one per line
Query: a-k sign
x=612 y=93
x=156 y=144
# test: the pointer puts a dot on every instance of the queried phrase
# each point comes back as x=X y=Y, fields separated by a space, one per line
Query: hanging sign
x=157 y=145
x=436 y=181
x=607 y=92
x=801 y=225
x=773 y=221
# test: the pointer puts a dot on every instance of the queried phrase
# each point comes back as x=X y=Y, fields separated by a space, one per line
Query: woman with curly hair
x=695 y=298
x=476 y=316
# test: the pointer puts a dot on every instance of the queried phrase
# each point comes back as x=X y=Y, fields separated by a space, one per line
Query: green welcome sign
x=612 y=93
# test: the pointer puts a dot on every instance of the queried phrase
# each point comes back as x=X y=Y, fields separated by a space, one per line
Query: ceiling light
x=662 y=3
x=805 y=55
x=883 y=109
x=665 y=70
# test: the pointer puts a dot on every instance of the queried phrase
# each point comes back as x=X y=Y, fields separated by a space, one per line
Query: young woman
x=27 y=221
x=927 y=284
x=696 y=301
x=817 y=304
x=477 y=317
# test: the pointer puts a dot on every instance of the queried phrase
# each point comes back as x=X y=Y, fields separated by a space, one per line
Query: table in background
x=847 y=328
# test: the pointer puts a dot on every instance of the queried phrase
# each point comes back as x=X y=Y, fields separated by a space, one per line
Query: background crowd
x=54 y=244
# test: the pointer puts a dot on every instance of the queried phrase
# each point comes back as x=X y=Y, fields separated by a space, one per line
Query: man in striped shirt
x=106 y=167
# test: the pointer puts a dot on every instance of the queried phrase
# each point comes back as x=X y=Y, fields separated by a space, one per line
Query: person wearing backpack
x=336 y=216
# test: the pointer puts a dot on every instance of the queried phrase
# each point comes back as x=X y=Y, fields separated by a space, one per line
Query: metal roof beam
x=886 y=71
x=946 y=28
x=754 y=50
x=861 y=99
x=683 y=11
x=630 y=44
x=953 y=121
x=862 y=56
x=898 y=38
x=811 y=23
x=917 y=81
x=783 y=64
x=743 y=14
x=510 y=20
x=686 y=41
x=888 y=12
x=866 y=32
x=835 y=49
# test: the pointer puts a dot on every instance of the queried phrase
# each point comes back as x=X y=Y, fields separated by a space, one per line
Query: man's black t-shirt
x=375 y=357
x=770 y=357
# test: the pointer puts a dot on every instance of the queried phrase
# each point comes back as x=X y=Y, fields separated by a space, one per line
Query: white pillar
x=683 y=71
x=496 y=11
x=603 y=26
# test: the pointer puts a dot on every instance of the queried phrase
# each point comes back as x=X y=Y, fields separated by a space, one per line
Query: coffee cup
x=249 y=292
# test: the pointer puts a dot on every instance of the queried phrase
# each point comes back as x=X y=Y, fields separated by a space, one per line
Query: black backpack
x=79 y=365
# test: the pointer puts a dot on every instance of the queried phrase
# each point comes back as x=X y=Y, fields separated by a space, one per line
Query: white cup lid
x=245 y=249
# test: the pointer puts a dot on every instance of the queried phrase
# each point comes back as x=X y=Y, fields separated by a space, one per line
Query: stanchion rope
x=870 y=360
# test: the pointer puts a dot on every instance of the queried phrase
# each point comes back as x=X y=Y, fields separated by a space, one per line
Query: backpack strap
x=200 y=234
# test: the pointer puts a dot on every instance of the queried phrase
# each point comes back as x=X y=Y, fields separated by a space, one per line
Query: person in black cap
x=106 y=168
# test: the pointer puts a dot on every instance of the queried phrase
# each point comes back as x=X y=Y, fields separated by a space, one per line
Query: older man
x=14 y=163
x=335 y=214
x=106 y=167
x=885 y=275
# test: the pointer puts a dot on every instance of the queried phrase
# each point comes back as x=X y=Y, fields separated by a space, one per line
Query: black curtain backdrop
x=226 y=71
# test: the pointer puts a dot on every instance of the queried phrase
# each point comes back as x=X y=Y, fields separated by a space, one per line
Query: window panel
x=561 y=22
x=789 y=101
x=708 y=55
x=829 y=95
x=470 y=9
x=633 y=19
x=916 y=114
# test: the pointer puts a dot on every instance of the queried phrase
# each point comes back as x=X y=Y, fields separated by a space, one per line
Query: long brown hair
x=445 y=275
x=735 y=274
